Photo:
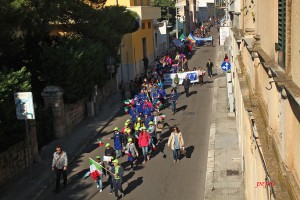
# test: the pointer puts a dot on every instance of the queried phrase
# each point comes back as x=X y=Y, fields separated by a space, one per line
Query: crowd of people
x=141 y=134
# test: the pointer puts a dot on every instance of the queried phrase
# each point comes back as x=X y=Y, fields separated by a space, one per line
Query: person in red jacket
x=144 y=139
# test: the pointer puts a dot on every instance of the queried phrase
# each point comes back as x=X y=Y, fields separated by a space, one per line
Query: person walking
x=173 y=99
x=176 y=143
x=176 y=83
x=118 y=171
x=209 y=66
x=109 y=151
x=98 y=177
x=118 y=141
x=131 y=152
x=158 y=127
x=110 y=177
x=200 y=75
x=153 y=139
x=144 y=139
x=59 y=166
x=186 y=84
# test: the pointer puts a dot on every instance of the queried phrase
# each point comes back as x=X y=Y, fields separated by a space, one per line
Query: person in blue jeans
x=176 y=143
x=100 y=178
x=173 y=99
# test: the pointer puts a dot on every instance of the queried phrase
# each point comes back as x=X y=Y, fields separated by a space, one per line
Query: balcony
x=146 y=12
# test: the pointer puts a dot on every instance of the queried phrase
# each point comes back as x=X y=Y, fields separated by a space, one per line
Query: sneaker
x=97 y=186
x=144 y=161
x=177 y=161
x=131 y=169
x=148 y=157
x=174 y=161
x=110 y=192
x=100 y=190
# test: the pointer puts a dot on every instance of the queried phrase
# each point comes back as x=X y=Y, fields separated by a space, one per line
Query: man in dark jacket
x=209 y=66
x=109 y=151
x=186 y=84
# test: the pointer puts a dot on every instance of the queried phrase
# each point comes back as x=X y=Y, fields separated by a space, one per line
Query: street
x=159 y=178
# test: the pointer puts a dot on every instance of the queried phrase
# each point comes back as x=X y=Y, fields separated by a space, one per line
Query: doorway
x=144 y=42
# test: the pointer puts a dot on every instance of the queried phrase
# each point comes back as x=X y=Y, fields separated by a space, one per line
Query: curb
x=74 y=156
x=209 y=181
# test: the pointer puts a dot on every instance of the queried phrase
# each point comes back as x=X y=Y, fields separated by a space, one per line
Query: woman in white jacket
x=176 y=143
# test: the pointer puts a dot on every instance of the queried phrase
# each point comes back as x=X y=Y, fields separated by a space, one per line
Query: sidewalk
x=224 y=176
x=27 y=188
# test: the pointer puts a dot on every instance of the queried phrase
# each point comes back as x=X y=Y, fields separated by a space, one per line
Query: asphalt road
x=159 y=178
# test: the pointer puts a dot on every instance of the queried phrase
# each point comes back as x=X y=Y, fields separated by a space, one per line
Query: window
x=149 y=24
x=143 y=25
x=281 y=32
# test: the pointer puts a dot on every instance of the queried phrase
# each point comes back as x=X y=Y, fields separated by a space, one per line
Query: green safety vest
x=117 y=171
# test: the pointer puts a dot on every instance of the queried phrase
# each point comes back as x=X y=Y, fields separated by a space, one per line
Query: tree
x=168 y=10
x=11 y=129
x=61 y=43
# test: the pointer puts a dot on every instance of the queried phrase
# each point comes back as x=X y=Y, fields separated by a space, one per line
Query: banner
x=194 y=38
x=224 y=33
x=193 y=76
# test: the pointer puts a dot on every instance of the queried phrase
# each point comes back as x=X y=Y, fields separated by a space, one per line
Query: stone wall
x=75 y=113
x=68 y=116
x=16 y=158
x=106 y=91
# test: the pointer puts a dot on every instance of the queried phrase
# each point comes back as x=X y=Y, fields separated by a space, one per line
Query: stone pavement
x=38 y=178
x=224 y=176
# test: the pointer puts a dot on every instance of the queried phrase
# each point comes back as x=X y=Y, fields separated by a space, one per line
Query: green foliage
x=168 y=10
x=11 y=129
x=76 y=61
x=75 y=65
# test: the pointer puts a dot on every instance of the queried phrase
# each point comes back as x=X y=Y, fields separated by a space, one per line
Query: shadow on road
x=192 y=93
x=189 y=151
x=181 y=108
x=133 y=184
x=127 y=177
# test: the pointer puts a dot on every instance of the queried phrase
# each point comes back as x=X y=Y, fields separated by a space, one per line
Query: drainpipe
x=254 y=139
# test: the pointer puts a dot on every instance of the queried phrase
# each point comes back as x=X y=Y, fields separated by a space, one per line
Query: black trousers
x=186 y=91
x=209 y=72
x=118 y=186
x=58 y=175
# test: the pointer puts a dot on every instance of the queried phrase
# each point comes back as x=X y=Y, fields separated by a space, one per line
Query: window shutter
x=281 y=31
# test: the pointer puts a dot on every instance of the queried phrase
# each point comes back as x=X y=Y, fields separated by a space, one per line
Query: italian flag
x=126 y=109
x=95 y=169
x=127 y=102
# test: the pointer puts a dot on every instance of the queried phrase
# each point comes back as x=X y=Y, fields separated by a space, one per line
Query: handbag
x=130 y=157
x=182 y=151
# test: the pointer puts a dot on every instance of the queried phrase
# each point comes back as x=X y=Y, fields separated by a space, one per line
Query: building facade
x=264 y=52
x=140 y=44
